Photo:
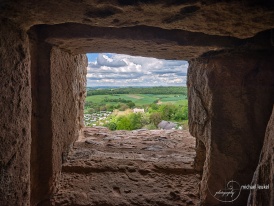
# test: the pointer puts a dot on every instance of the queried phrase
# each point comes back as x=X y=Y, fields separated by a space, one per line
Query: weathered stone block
x=230 y=100
x=15 y=115
x=58 y=93
x=264 y=174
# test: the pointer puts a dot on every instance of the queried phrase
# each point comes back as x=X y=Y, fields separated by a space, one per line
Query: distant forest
x=139 y=90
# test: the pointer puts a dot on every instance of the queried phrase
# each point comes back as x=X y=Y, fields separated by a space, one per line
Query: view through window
x=136 y=148
x=132 y=92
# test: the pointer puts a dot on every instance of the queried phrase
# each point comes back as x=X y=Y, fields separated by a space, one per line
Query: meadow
x=141 y=99
x=159 y=103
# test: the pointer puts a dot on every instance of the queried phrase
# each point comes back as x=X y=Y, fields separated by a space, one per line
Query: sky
x=109 y=69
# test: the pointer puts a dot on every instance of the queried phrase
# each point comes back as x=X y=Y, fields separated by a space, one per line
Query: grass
x=141 y=99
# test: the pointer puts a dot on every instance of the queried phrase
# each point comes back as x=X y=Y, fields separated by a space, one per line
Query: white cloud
x=125 y=70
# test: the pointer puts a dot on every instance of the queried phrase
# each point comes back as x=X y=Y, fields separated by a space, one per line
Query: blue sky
x=109 y=69
x=92 y=57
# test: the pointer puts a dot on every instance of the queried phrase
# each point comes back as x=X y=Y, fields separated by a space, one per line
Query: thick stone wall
x=242 y=19
x=230 y=95
x=68 y=89
x=264 y=175
x=230 y=100
x=41 y=124
x=58 y=93
x=15 y=115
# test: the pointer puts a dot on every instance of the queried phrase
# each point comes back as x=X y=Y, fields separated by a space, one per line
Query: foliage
x=150 y=126
x=181 y=114
x=158 y=106
x=117 y=100
x=131 y=104
x=137 y=100
x=155 y=118
x=167 y=111
x=139 y=90
x=129 y=122
x=111 y=125
x=123 y=107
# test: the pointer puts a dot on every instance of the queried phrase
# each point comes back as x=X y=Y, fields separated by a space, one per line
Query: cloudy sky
x=123 y=70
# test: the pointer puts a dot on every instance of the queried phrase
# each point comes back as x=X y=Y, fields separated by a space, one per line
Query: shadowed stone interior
x=230 y=48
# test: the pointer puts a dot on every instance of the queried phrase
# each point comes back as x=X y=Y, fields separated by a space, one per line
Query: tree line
x=139 y=90
x=121 y=105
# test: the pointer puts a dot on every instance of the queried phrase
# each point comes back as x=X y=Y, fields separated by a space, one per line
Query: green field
x=141 y=99
x=159 y=103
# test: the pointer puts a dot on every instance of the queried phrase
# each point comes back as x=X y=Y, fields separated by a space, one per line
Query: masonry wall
x=15 y=115
x=58 y=94
x=230 y=99
x=41 y=124
x=68 y=86
x=42 y=94
x=264 y=174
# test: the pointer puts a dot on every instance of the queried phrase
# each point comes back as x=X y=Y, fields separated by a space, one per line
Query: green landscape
x=135 y=108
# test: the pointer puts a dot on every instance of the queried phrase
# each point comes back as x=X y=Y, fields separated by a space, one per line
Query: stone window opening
x=48 y=65
x=158 y=161
x=230 y=86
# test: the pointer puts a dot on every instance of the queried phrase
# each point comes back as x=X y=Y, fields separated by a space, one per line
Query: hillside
x=138 y=90
x=106 y=106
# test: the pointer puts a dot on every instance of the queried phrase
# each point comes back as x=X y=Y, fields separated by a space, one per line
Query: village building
x=137 y=110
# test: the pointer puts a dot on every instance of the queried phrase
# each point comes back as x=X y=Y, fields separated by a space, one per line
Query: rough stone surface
x=264 y=174
x=151 y=41
x=41 y=125
x=230 y=101
x=15 y=116
x=140 y=167
x=68 y=86
x=164 y=29
x=146 y=40
x=225 y=118
x=200 y=156
x=58 y=93
x=240 y=19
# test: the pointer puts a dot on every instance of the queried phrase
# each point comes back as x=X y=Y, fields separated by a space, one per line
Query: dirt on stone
x=140 y=167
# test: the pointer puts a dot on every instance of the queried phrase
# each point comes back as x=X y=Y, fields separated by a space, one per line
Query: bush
x=131 y=104
x=111 y=125
x=155 y=118
x=123 y=123
x=150 y=126
x=123 y=107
